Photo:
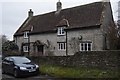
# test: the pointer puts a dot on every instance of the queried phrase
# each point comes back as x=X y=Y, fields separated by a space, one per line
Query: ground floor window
x=85 y=46
x=25 y=48
x=61 y=46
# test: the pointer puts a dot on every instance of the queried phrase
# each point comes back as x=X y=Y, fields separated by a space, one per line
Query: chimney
x=59 y=5
x=30 y=13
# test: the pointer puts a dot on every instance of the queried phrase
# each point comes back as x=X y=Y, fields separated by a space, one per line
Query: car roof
x=16 y=57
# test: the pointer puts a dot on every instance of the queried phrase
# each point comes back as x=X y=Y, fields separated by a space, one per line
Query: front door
x=40 y=49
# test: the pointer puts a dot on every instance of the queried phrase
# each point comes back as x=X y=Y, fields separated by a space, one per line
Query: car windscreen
x=20 y=60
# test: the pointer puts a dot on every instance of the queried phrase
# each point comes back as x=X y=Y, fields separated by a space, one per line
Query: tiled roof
x=80 y=16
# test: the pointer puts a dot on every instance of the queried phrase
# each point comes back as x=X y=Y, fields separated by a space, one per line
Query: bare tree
x=3 y=39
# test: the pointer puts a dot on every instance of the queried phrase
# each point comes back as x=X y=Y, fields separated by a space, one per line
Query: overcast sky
x=13 y=13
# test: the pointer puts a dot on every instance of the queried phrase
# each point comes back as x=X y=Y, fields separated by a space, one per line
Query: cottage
x=66 y=31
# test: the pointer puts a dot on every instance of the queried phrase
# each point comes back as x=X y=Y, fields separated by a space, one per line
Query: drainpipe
x=28 y=45
x=66 y=45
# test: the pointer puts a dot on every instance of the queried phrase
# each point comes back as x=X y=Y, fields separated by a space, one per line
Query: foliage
x=9 y=46
x=74 y=72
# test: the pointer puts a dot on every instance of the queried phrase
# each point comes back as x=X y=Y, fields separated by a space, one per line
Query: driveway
x=41 y=77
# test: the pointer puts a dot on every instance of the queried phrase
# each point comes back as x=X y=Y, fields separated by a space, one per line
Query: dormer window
x=26 y=34
x=61 y=31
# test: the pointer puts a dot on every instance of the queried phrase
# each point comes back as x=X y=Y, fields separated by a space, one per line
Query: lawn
x=70 y=72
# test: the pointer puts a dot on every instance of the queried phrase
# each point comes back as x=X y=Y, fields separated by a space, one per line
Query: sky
x=14 y=12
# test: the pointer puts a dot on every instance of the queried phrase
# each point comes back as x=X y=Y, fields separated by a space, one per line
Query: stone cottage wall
x=73 y=40
x=92 y=34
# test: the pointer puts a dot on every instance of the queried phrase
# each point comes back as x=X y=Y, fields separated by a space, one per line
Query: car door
x=5 y=65
x=11 y=65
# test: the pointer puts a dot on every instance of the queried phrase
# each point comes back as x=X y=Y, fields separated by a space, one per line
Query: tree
x=3 y=39
x=9 y=46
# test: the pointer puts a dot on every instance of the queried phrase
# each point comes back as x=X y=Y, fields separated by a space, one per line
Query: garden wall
x=99 y=59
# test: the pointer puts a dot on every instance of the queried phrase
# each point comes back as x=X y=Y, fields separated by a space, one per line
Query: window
x=25 y=48
x=61 y=46
x=61 y=31
x=26 y=34
x=86 y=46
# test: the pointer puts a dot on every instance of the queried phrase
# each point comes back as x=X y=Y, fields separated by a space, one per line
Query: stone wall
x=98 y=59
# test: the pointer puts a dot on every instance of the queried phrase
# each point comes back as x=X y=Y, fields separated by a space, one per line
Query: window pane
x=64 y=46
x=60 y=30
x=89 y=46
x=61 y=46
x=85 y=46
x=81 y=46
x=63 y=31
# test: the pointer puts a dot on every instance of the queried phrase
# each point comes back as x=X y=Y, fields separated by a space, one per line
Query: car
x=19 y=66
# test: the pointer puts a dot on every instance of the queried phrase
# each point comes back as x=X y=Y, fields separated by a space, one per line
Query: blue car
x=19 y=66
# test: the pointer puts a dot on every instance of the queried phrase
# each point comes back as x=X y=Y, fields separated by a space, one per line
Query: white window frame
x=25 y=48
x=26 y=34
x=85 y=43
x=62 y=46
x=61 y=31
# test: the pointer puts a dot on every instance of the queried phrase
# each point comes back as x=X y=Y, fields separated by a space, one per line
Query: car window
x=6 y=59
x=10 y=59
x=20 y=60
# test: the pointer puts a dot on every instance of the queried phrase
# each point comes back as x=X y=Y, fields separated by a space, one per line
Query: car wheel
x=16 y=73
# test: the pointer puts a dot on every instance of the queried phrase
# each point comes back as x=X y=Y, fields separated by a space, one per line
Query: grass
x=68 y=72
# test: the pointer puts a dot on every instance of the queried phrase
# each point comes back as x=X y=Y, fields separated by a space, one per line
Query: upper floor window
x=61 y=31
x=26 y=34
x=85 y=46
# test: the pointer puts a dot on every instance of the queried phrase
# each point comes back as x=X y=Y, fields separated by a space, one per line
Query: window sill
x=25 y=37
x=61 y=50
x=25 y=51
x=61 y=35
